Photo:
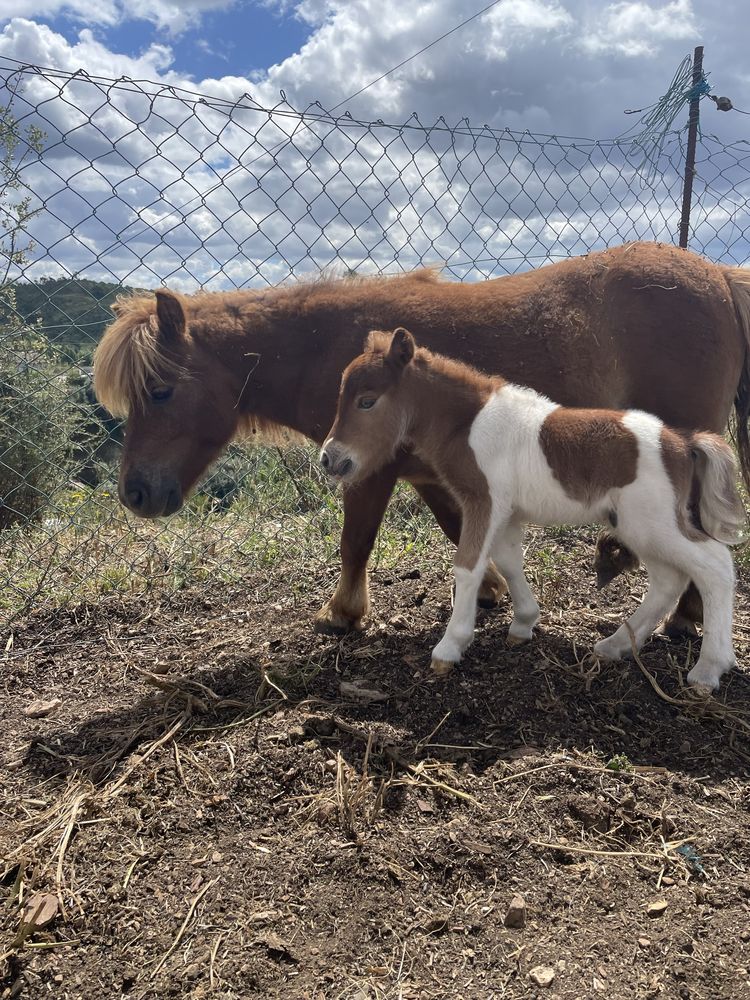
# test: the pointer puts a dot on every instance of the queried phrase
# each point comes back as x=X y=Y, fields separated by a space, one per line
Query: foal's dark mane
x=378 y=343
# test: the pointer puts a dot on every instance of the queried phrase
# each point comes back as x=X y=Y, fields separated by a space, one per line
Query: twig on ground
x=185 y=922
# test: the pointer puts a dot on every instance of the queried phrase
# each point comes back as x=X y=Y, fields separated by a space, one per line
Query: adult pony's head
x=373 y=412
x=179 y=402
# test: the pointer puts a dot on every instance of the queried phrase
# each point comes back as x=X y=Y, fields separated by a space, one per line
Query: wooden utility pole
x=693 y=117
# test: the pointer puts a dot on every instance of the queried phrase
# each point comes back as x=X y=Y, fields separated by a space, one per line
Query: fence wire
x=109 y=185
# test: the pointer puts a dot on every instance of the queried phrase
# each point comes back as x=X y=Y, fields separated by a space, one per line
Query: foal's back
x=564 y=464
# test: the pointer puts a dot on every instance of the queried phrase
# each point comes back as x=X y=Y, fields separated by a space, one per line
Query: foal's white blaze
x=505 y=439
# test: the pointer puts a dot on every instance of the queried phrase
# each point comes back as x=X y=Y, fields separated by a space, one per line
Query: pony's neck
x=285 y=348
x=254 y=345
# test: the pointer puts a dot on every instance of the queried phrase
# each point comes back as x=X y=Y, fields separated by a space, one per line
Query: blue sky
x=242 y=40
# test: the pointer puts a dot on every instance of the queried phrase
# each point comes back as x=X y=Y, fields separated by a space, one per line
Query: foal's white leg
x=665 y=585
x=712 y=570
x=507 y=552
x=460 y=629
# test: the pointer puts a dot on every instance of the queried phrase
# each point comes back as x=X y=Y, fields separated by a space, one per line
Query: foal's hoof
x=517 y=640
x=606 y=649
x=703 y=683
x=705 y=678
x=331 y=622
x=441 y=668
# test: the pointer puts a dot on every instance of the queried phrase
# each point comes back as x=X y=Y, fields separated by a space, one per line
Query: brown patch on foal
x=677 y=455
x=589 y=452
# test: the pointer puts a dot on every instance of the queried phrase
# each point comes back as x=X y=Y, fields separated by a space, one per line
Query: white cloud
x=175 y=16
x=104 y=12
x=40 y=45
x=640 y=29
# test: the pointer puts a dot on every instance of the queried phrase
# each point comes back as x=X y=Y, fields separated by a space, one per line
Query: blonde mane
x=128 y=356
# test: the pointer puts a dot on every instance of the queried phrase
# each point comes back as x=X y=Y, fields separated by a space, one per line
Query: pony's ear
x=402 y=348
x=170 y=314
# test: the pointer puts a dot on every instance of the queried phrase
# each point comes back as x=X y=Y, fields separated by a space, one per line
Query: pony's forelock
x=378 y=341
x=129 y=356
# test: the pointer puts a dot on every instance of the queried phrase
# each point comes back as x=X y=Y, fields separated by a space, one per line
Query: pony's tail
x=738 y=280
x=721 y=510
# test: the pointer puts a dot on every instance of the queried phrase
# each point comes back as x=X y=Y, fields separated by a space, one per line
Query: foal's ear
x=402 y=348
x=170 y=314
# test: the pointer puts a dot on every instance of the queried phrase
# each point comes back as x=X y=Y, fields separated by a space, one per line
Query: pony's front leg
x=477 y=529
x=364 y=506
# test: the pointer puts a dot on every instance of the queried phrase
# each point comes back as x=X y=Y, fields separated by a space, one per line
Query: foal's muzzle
x=150 y=499
x=335 y=461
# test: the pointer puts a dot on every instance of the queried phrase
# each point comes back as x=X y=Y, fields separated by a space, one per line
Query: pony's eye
x=161 y=393
x=366 y=403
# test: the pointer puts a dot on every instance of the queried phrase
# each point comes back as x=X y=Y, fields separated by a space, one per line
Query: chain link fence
x=110 y=185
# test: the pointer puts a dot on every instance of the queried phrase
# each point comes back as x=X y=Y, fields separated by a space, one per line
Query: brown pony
x=643 y=326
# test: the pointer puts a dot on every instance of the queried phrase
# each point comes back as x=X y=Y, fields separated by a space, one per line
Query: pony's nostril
x=324 y=459
x=135 y=497
x=345 y=466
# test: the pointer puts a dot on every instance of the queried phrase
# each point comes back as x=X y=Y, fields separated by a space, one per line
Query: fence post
x=687 y=186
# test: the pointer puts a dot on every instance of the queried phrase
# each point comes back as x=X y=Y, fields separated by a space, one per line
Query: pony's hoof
x=493 y=588
x=706 y=679
x=605 y=649
x=703 y=688
x=678 y=629
x=330 y=622
x=441 y=668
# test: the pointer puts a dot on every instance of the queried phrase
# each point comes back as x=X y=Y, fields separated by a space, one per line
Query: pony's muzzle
x=147 y=500
x=334 y=460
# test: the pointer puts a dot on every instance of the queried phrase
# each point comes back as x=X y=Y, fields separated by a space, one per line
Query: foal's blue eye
x=366 y=403
x=161 y=393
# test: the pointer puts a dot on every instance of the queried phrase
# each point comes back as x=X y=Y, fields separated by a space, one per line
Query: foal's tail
x=738 y=280
x=721 y=510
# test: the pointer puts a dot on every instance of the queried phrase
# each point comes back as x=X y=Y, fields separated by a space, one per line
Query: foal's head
x=178 y=401
x=373 y=409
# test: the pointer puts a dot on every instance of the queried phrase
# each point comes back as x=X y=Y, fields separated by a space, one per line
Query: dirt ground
x=224 y=804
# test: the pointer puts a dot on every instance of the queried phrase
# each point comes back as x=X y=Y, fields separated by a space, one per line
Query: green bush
x=37 y=418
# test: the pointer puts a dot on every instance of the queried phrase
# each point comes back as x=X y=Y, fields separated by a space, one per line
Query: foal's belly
x=558 y=510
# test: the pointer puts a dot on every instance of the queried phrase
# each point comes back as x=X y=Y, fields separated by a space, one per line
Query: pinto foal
x=510 y=456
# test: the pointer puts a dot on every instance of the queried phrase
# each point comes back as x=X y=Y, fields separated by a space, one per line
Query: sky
x=189 y=216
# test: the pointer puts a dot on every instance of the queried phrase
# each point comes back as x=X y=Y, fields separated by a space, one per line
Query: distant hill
x=72 y=312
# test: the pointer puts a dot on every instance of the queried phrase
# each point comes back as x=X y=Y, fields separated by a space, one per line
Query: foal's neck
x=443 y=398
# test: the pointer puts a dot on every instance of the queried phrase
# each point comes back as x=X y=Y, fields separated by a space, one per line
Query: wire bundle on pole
x=657 y=122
